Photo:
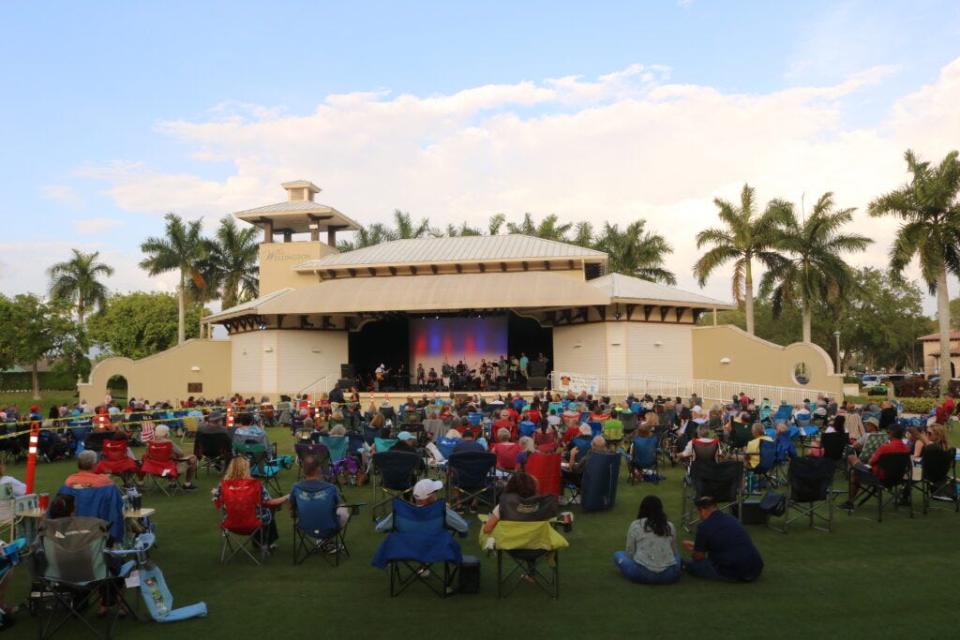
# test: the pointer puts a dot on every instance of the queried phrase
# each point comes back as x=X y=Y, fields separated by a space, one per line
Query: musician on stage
x=421 y=376
x=378 y=376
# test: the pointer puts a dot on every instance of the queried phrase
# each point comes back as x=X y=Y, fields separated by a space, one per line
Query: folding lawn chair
x=525 y=537
x=545 y=467
x=115 y=460
x=242 y=527
x=319 y=451
x=394 y=474
x=763 y=475
x=598 y=488
x=263 y=465
x=418 y=541
x=72 y=572
x=642 y=458
x=723 y=481
x=158 y=464
x=809 y=479
x=938 y=477
x=894 y=487
x=213 y=451
x=471 y=479
x=316 y=527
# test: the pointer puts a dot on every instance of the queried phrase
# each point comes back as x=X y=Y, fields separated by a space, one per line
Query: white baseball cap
x=425 y=487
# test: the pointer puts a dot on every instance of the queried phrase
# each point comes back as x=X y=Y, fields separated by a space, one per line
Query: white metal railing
x=312 y=388
x=673 y=386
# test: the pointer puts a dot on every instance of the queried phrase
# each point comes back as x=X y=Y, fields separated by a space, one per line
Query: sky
x=115 y=113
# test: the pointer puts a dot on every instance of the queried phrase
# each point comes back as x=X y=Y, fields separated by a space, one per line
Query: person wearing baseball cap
x=723 y=549
x=406 y=442
x=425 y=492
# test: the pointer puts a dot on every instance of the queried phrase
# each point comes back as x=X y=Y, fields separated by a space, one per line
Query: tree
x=181 y=249
x=406 y=229
x=77 y=281
x=32 y=331
x=635 y=251
x=234 y=258
x=744 y=237
x=550 y=228
x=815 y=269
x=930 y=213
x=137 y=325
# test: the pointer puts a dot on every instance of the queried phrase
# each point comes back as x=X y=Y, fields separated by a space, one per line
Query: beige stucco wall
x=164 y=376
x=659 y=349
x=306 y=357
x=277 y=260
x=931 y=365
x=756 y=361
x=580 y=349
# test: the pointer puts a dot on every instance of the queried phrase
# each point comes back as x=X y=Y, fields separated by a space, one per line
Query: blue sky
x=113 y=112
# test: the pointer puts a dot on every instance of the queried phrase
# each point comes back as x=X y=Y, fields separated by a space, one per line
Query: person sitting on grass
x=871 y=469
x=722 y=549
x=85 y=477
x=425 y=492
x=186 y=465
x=651 y=551
x=239 y=469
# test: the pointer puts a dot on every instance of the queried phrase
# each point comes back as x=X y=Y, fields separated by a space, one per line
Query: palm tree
x=453 y=231
x=182 y=249
x=405 y=228
x=367 y=236
x=815 y=268
x=234 y=259
x=745 y=237
x=930 y=211
x=76 y=281
x=496 y=223
x=549 y=228
x=583 y=235
x=635 y=251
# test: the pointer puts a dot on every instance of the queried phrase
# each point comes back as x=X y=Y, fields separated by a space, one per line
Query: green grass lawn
x=863 y=580
x=47 y=400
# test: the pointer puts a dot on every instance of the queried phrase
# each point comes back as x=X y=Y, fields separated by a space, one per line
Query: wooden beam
x=332 y=274
x=503 y=266
x=326 y=322
x=413 y=270
x=663 y=313
x=458 y=267
x=372 y=271
x=647 y=310
x=305 y=322
x=526 y=265
x=678 y=313
x=433 y=268
x=630 y=308
x=570 y=264
x=602 y=311
x=483 y=268
x=352 y=272
x=280 y=317
x=546 y=265
x=393 y=270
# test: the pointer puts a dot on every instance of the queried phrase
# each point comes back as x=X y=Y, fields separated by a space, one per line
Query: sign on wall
x=576 y=383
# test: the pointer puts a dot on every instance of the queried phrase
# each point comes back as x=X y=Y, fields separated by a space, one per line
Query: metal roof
x=623 y=287
x=457 y=249
x=296 y=215
x=447 y=292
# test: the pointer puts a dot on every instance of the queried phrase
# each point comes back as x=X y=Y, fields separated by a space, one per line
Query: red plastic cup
x=43 y=501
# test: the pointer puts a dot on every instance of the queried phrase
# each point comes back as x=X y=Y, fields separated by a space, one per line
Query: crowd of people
x=514 y=428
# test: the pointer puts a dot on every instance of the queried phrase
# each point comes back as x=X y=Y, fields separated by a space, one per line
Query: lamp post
x=836 y=337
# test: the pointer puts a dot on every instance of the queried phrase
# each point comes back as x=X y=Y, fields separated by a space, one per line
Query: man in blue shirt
x=723 y=549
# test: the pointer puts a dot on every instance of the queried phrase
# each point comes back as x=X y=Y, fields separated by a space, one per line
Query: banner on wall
x=576 y=383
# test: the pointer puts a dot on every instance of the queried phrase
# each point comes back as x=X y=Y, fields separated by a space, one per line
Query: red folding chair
x=545 y=467
x=115 y=459
x=158 y=463
x=240 y=528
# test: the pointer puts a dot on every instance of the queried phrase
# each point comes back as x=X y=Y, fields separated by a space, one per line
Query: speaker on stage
x=537 y=383
x=536 y=369
x=346 y=371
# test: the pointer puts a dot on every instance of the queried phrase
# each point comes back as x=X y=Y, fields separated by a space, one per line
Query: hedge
x=49 y=380
x=910 y=405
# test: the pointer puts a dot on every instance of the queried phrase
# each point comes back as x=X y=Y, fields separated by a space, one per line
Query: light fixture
x=195 y=368
x=724 y=360
x=268 y=349
x=316 y=350
x=658 y=344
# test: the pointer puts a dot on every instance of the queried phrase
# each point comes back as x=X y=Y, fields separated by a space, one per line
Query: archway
x=118 y=389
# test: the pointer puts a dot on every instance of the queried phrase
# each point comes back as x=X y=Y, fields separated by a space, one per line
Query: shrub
x=918 y=405
x=851 y=380
x=877 y=390
x=912 y=388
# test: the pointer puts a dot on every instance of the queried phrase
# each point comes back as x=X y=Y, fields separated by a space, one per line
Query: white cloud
x=95 y=225
x=63 y=195
x=628 y=144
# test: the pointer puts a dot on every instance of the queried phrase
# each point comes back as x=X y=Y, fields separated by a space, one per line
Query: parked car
x=869 y=380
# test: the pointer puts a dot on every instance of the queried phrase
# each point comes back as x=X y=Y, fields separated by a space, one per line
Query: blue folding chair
x=316 y=527
x=471 y=479
x=446 y=446
x=598 y=489
x=419 y=540
x=526 y=428
x=643 y=457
